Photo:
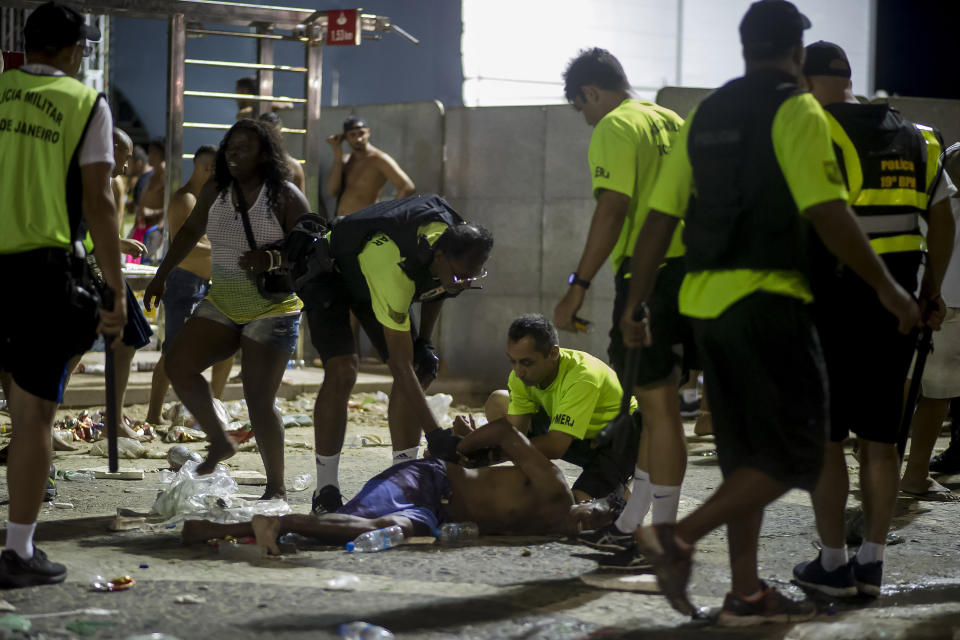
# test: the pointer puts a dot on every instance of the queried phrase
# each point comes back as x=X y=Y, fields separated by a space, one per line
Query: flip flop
x=934 y=495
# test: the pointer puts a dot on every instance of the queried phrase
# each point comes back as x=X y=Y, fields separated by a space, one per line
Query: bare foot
x=267 y=529
x=197 y=531
x=704 y=426
x=928 y=489
x=216 y=453
x=271 y=493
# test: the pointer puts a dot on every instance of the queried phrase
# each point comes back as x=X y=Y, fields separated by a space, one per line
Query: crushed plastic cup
x=301 y=482
x=75 y=476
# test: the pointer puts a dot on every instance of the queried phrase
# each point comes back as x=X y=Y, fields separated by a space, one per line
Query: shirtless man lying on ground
x=529 y=498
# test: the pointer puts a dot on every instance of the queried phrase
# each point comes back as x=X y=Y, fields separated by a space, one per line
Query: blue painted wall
x=388 y=70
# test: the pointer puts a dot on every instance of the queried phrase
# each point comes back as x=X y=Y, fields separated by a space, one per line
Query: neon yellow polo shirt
x=391 y=290
x=801 y=141
x=580 y=401
x=627 y=150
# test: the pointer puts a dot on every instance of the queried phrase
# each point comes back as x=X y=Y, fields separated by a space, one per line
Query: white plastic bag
x=126 y=448
x=439 y=404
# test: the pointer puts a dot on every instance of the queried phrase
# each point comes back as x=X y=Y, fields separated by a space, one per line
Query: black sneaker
x=51 y=490
x=838 y=583
x=867 y=577
x=326 y=500
x=629 y=561
x=608 y=538
x=947 y=462
x=16 y=572
x=671 y=563
x=772 y=606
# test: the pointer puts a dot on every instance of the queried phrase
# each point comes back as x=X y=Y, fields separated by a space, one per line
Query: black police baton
x=924 y=347
x=110 y=420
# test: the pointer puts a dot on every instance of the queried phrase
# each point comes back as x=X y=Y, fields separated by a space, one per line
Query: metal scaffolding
x=268 y=24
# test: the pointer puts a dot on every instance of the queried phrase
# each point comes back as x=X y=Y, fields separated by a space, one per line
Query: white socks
x=868 y=552
x=20 y=538
x=638 y=504
x=328 y=471
x=666 y=500
x=407 y=454
x=832 y=559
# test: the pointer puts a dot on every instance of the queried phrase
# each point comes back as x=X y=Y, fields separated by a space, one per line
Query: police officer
x=758 y=156
x=387 y=256
x=561 y=399
x=57 y=144
x=894 y=177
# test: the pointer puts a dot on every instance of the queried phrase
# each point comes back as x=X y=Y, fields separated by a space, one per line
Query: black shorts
x=604 y=470
x=327 y=302
x=673 y=352
x=868 y=360
x=768 y=389
x=41 y=329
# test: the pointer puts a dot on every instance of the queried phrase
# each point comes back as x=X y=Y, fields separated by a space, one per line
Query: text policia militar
x=29 y=129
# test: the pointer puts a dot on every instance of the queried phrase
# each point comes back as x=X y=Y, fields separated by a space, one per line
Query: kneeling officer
x=386 y=257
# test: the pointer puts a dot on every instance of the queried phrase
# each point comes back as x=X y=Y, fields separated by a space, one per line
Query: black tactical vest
x=743 y=215
x=890 y=163
x=400 y=220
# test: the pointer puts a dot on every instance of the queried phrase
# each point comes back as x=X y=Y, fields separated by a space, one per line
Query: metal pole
x=679 y=70
x=311 y=113
x=264 y=76
x=177 y=39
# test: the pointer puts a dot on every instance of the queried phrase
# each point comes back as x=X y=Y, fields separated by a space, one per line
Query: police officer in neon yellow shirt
x=388 y=256
x=893 y=174
x=758 y=157
x=57 y=149
x=561 y=399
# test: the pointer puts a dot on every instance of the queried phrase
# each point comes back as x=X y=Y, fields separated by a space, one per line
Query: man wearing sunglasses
x=56 y=141
x=387 y=257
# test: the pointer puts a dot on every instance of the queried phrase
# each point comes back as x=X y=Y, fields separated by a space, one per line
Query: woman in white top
x=250 y=172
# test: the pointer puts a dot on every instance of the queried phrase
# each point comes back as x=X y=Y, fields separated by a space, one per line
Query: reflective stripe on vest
x=897 y=244
x=42 y=120
x=901 y=195
x=895 y=223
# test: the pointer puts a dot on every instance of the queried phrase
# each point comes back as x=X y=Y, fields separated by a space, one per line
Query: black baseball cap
x=56 y=25
x=772 y=21
x=354 y=122
x=826 y=59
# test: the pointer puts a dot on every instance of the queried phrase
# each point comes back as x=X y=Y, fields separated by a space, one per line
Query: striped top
x=233 y=291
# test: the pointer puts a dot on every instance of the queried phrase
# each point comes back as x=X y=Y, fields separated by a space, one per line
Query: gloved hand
x=443 y=444
x=426 y=362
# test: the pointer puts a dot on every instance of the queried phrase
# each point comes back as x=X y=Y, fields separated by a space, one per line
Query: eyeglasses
x=471 y=280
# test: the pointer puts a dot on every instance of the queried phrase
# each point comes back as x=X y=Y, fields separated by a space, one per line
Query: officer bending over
x=387 y=256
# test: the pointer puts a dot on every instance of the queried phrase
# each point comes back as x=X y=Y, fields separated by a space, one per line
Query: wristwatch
x=575 y=280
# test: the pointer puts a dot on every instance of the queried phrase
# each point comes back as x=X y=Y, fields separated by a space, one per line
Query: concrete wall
x=522 y=172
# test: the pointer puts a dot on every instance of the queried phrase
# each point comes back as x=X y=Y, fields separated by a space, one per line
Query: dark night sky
x=917 y=48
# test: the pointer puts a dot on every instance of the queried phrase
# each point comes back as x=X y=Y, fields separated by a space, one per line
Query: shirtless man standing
x=357 y=179
x=150 y=202
x=529 y=498
x=187 y=284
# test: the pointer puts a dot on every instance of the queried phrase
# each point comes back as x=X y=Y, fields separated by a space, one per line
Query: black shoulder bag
x=275 y=284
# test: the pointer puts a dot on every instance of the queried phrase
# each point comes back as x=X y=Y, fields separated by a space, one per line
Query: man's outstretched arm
x=545 y=478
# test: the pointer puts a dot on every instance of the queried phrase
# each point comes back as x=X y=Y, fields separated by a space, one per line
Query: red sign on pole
x=343 y=27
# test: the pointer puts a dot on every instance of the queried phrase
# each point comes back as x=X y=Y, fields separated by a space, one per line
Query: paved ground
x=495 y=588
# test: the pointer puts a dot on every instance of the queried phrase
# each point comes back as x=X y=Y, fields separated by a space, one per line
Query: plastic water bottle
x=377 y=540
x=361 y=630
x=457 y=532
